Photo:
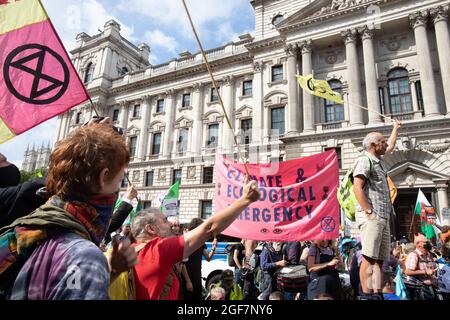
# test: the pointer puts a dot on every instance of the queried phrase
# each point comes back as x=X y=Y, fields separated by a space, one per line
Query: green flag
x=168 y=200
x=132 y=213
x=426 y=212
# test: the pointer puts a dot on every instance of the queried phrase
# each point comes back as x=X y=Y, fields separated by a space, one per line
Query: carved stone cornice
x=349 y=35
x=435 y=148
x=418 y=19
x=439 y=14
x=306 y=46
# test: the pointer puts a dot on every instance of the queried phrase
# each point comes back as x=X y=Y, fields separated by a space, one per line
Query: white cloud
x=158 y=38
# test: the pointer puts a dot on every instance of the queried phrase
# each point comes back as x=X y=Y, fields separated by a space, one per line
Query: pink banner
x=298 y=198
x=37 y=78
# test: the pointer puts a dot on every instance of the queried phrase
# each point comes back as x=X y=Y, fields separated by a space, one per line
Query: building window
x=160 y=106
x=213 y=136
x=277 y=20
x=418 y=88
x=78 y=118
x=277 y=120
x=124 y=183
x=156 y=143
x=381 y=98
x=115 y=115
x=89 y=73
x=206 y=208
x=208 y=173
x=186 y=100
x=338 y=153
x=247 y=88
x=146 y=204
x=246 y=129
x=149 y=178
x=137 y=111
x=277 y=73
x=176 y=176
x=183 y=140
x=399 y=91
x=133 y=141
x=214 y=97
x=334 y=112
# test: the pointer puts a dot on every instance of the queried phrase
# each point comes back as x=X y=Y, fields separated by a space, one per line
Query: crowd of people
x=63 y=237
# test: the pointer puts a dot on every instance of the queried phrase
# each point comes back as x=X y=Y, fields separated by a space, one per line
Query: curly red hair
x=76 y=162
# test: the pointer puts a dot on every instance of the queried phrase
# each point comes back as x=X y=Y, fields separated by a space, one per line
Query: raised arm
x=218 y=222
x=393 y=138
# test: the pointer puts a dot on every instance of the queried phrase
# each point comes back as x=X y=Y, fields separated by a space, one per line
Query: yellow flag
x=392 y=189
x=319 y=88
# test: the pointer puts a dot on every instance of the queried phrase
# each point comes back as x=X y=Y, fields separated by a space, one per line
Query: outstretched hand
x=251 y=191
x=123 y=256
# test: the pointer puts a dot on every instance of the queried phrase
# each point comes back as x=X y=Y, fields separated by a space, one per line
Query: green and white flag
x=426 y=213
x=168 y=200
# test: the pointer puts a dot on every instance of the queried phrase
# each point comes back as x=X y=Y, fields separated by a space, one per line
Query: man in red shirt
x=158 y=248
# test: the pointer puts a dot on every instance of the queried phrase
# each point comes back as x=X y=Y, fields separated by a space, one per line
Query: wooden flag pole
x=215 y=87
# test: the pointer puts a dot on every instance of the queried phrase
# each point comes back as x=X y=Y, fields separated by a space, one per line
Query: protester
x=154 y=272
x=444 y=273
x=232 y=289
x=193 y=264
x=324 y=296
x=421 y=266
x=374 y=209
x=271 y=261
x=238 y=257
x=61 y=254
x=9 y=173
x=217 y=293
x=276 y=295
x=390 y=265
x=322 y=266
x=388 y=288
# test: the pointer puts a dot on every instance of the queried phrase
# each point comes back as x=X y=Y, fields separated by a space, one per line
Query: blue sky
x=162 y=24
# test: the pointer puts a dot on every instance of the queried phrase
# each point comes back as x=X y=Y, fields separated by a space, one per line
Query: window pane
x=340 y=112
x=115 y=115
x=136 y=111
x=277 y=120
x=206 y=208
x=246 y=128
x=395 y=105
x=277 y=73
x=133 y=141
x=186 y=100
x=183 y=140
x=149 y=179
x=213 y=136
x=393 y=90
x=176 y=176
x=160 y=106
x=208 y=173
x=404 y=86
x=406 y=103
x=156 y=143
x=248 y=88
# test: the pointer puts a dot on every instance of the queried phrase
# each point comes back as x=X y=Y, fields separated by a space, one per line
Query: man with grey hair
x=159 y=249
x=374 y=210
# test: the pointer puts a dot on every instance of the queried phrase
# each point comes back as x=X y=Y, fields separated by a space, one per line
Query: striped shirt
x=376 y=188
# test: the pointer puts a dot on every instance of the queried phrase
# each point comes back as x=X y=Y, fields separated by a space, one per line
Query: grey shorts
x=375 y=235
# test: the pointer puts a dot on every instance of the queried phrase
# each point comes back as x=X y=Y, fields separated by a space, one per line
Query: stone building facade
x=388 y=56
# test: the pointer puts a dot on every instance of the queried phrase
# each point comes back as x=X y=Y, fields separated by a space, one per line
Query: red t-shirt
x=156 y=261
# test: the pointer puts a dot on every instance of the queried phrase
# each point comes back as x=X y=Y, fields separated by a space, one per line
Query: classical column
x=373 y=102
x=440 y=19
x=197 y=127
x=228 y=134
x=443 y=199
x=257 y=124
x=107 y=56
x=170 y=121
x=419 y=22
x=145 y=120
x=308 y=99
x=61 y=124
x=293 y=109
x=124 y=119
x=354 y=78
